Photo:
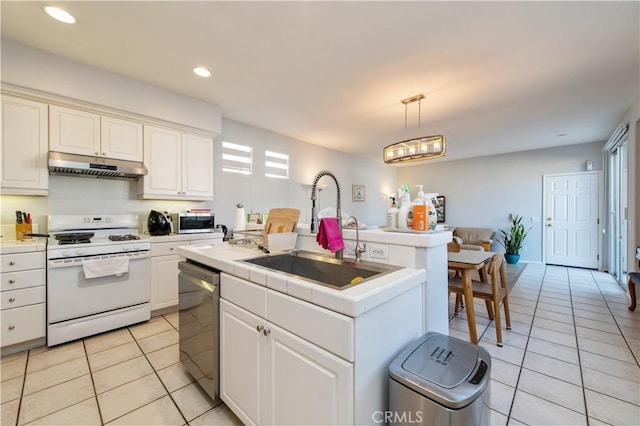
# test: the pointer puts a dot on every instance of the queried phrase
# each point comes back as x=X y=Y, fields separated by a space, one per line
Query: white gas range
x=97 y=275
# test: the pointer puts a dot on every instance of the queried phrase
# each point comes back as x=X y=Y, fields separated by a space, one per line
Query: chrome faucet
x=358 y=250
x=314 y=210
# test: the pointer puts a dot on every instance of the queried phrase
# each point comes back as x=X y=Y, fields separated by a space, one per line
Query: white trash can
x=440 y=380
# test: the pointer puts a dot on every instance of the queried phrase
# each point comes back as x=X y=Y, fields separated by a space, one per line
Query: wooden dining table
x=465 y=261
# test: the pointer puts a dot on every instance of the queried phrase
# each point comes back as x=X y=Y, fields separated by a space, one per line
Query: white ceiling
x=498 y=76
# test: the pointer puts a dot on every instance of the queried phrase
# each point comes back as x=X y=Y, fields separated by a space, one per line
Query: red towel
x=329 y=235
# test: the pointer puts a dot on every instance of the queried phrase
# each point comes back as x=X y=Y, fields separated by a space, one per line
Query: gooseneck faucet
x=358 y=250
x=314 y=210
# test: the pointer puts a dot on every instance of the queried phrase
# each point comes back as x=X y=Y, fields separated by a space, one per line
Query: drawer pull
x=11 y=327
x=12 y=263
x=12 y=281
x=12 y=299
x=171 y=249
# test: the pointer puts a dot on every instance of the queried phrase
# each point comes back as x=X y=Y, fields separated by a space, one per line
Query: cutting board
x=281 y=220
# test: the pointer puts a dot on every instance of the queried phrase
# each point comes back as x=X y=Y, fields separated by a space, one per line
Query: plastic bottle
x=392 y=214
x=432 y=214
x=421 y=197
x=405 y=206
x=420 y=217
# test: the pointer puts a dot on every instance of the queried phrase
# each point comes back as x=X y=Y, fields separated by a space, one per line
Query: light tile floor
x=572 y=355
x=571 y=358
x=130 y=376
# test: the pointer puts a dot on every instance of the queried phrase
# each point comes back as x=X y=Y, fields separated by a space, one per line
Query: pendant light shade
x=416 y=149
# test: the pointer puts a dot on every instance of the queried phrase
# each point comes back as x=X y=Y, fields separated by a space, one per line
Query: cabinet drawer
x=205 y=241
x=329 y=330
x=163 y=249
x=22 y=279
x=247 y=295
x=22 y=324
x=23 y=297
x=22 y=261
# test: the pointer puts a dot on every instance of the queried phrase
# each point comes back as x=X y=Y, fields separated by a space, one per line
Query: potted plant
x=513 y=239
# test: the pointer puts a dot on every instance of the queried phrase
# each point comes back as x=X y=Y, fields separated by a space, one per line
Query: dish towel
x=329 y=235
x=103 y=267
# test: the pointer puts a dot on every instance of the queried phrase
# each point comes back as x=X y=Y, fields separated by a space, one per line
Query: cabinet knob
x=11 y=327
x=260 y=328
x=97 y=153
x=266 y=331
x=12 y=263
x=104 y=153
x=12 y=281
x=549 y=225
x=12 y=299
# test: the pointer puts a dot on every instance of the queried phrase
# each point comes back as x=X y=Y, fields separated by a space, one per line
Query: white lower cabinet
x=271 y=376
x=164 y=281
x=22 y=297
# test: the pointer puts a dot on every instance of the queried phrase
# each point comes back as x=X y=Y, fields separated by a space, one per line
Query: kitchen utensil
x=18 y=216
x=224 y=231
x=159 y=223
x=74 y=236
x=281 y=220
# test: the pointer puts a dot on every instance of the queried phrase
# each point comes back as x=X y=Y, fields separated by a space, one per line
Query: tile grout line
x=93 y=383
x=616 y=322
x=575 y=329
x=186 y=422
x=524 y=355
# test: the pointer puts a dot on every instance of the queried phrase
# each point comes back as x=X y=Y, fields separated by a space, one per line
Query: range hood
x=83 y=165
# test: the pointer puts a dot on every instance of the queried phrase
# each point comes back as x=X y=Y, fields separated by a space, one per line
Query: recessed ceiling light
x=202 y=72
x=59 y=14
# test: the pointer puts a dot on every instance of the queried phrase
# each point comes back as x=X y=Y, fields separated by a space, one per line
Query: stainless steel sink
x=322 y=269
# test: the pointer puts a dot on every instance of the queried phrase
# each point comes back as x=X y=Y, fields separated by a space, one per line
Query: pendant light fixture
x=418 y=148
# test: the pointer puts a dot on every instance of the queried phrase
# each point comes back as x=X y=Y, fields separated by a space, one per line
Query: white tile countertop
x=184 y=237
x=353 y=301
x=23 y=246
x=380 y=235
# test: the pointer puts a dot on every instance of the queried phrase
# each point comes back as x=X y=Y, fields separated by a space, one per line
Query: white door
x=242 y=353
x=571 y=219
x=306 y=384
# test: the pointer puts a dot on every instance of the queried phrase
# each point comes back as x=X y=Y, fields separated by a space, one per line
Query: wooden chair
x=492 y=293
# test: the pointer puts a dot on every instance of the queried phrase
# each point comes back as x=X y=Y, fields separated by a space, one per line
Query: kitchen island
x=292 y=351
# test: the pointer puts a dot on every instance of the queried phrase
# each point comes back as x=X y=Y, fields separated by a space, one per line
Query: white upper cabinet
x=79 y=132
x=180 y=165
x=23 y=147
x=121 y=139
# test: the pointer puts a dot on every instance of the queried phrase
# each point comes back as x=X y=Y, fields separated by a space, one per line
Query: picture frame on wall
x=357 y=193
x=440 y=208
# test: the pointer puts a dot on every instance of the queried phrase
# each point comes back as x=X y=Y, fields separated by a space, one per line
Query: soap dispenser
x=405 y=206
x=392 y=214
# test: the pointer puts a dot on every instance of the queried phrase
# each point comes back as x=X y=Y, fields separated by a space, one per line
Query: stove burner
x=126 y=237
x=81 y=241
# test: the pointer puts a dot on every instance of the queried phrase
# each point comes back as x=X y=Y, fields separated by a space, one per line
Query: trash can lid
x=444 y=369
x=443 y=361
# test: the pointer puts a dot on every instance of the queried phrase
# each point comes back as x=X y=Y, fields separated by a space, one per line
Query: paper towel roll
x=240 y=220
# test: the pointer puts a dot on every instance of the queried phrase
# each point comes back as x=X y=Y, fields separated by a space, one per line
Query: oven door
x=70 y=295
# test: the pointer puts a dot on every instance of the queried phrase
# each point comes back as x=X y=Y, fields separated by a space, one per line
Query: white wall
x=258 y=194
x=483 y=191
x=35 y=69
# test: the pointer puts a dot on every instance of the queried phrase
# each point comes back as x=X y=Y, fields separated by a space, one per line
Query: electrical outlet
x=350 y=249
x=378 y=251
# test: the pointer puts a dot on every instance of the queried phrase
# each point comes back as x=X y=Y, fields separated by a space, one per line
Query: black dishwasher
x=199 y=308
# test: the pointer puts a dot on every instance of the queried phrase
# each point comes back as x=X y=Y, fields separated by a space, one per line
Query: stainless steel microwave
x=192 y=223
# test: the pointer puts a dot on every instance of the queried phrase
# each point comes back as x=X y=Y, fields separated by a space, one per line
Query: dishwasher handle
x=200 y=272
